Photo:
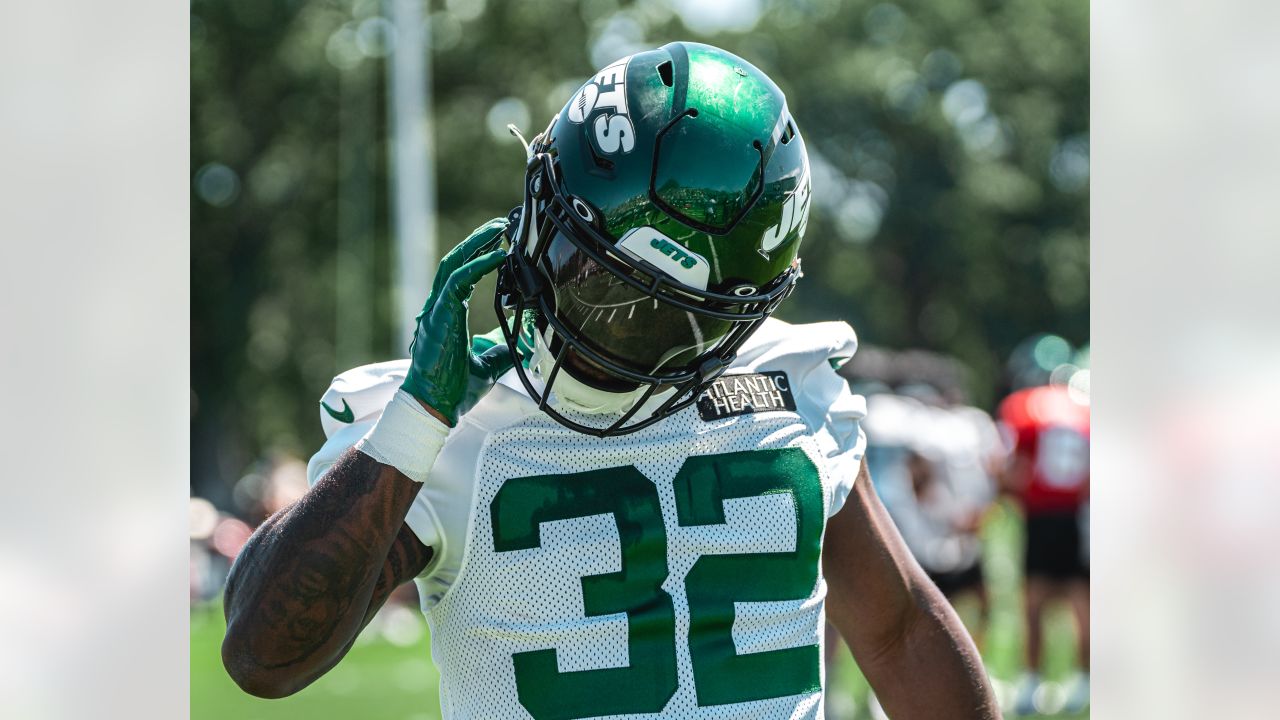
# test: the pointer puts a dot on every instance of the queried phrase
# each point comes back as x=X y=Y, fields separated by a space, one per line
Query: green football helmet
x=662 y=216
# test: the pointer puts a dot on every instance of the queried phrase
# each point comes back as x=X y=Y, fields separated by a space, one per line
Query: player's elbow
x=250 y=673
x=891 y=641
x=900 y=621
x=261 y=685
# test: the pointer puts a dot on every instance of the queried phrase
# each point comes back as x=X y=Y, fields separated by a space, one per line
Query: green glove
x=445 y=373
x=491 y=349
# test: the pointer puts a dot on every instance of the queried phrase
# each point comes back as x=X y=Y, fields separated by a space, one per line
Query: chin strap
x=576 y=395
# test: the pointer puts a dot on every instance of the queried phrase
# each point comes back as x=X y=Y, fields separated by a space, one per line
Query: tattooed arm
x=315 y=573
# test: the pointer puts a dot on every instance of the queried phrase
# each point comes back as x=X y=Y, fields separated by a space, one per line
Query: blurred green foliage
x=949 y=138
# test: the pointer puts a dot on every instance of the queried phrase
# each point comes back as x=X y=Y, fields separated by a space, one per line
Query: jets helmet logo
x=795 y=214
x=649 y=244
x=607 y=92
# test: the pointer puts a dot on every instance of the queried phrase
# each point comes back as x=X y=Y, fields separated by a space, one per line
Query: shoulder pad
x=779 y=343
x=808 y=355
x=360 y=394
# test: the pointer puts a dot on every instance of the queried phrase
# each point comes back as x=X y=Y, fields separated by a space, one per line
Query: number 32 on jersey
x=713 y=585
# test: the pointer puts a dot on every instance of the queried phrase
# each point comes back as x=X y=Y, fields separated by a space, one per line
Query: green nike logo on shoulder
x=345 y=416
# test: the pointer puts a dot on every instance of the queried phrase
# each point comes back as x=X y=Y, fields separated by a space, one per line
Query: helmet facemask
x=659 y=341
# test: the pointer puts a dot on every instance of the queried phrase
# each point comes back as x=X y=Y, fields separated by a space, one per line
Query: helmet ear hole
x=788 y=132
x=665 y=74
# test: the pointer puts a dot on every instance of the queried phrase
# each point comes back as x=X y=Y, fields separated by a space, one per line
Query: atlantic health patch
x=732 y=395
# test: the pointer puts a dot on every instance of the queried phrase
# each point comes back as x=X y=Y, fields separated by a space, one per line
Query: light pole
x=412 y=163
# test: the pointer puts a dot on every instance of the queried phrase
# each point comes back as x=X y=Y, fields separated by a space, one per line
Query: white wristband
x=406 y=437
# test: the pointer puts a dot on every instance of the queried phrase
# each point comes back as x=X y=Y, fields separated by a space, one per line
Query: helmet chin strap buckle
x=517 y=278
x=506 y=286
x=712 y=368
x=513 y=222
x=529 y=282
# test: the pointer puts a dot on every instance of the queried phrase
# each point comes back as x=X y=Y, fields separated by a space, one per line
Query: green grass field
x=388 y=675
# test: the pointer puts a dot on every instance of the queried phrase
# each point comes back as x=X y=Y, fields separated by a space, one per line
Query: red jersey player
x=1049 y=473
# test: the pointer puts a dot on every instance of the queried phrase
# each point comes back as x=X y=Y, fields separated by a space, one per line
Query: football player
x=1048 y=472
x=654 y=508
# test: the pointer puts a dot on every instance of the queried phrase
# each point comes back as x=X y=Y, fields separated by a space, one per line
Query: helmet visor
x=621 y=322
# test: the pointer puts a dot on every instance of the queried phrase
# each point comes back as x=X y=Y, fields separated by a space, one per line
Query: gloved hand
x=445 y=373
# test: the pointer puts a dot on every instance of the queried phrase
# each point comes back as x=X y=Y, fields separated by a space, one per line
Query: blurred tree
x=950 y=144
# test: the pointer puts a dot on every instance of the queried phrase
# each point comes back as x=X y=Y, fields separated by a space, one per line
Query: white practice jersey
x=964 y=441
x=960 y=444
x=674 y=570
x=892 y=426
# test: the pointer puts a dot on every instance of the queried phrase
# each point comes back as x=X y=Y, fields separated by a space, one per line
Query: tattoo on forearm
x=315 y=571
x=407 y=559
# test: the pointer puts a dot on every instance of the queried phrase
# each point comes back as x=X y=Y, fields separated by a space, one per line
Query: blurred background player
x=1047 y=422
x=953 y=468
x=938 y=459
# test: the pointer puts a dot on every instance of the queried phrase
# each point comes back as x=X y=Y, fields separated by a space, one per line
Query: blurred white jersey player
x=703 y=598
x=934 y=467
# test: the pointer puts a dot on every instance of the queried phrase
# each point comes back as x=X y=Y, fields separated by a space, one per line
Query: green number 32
x=713 y=585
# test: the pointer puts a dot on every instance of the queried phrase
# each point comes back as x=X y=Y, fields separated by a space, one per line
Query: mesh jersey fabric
x=496 y=603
